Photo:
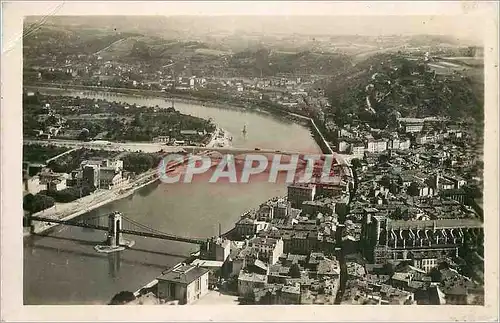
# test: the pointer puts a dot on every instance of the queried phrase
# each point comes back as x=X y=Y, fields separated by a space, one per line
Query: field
x=471 y=66
x=211 y=52
x=466 y=61
x=444 y=69
x=118 y=48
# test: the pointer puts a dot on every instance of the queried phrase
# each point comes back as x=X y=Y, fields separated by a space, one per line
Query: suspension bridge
x=116 y=225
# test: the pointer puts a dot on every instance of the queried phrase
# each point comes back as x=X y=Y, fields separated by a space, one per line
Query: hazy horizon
x=461 y=27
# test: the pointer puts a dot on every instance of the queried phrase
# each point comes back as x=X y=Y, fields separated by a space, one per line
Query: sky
x=456 y=18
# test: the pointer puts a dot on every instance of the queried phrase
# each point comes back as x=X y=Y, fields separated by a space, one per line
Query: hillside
x=390 y=85
x=244 y=63
x=49 y=40
x=266 y=62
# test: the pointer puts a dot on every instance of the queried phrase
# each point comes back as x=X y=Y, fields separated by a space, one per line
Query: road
x=60 y=155
x=149 y=147
x=111 y=146
x=114 y=43
x=364 y=55
x=62 y=210
x=87 y=203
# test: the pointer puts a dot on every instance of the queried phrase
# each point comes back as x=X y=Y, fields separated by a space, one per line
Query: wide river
x=63 y=267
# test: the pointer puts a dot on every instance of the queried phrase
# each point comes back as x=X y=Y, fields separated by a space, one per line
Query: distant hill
x=156 y=50
x=433 y=40
x=266 y=62
x=189 y=26
x=241 y=32
x=47 y=39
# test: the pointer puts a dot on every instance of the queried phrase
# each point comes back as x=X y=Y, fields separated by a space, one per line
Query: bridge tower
x=115 y=223
x=115 y=241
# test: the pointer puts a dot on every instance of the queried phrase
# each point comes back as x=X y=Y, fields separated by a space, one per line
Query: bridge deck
x=71 y=223
x=124 y=231
x=162 y=236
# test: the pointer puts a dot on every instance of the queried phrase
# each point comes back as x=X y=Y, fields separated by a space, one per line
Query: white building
x=269 y=249
x=404 y=144
x=218 y=249
x=162 y=139
x=281 y=209
x=343 y=146
x=109 y=177
x=425 y=263
x=102 y=173
x=358 y=150
x=246 y=227
x=53 y=181
x=412 y=125
x=374 y=146
x=393 y=143
x=184 y=283
x=33 y=185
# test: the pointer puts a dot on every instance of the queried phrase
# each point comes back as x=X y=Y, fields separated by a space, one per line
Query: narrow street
x=341 y=258
x=338 y=238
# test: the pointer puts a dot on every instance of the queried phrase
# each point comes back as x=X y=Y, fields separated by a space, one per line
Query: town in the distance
x=105 y=99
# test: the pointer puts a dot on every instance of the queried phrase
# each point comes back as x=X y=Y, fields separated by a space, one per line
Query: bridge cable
x=142 y=226
x=91 y=218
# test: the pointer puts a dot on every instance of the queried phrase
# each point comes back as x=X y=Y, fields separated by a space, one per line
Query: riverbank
x=190 y=99
x=75 y=208
x=220 y=138
x=169 y=96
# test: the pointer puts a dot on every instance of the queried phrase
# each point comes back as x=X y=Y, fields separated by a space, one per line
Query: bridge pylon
x=115 y=224
x=115 y=241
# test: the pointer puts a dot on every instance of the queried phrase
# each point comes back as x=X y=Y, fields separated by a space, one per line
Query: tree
x=388 y=269
x=341 y=117
x=140 y=162
x=342 y=209
x=141 y=50
x=384 y=159
x=122 y=297
x=473 y=191
x=294 y=271
x=435 y=274
x=356 y=163
x=478 y=300
x=37 y=203
x=86 y=189
x=405 y=68
x=32 y=99
x=385 y=181
x=28 y=201
x=72 y=193
x=413 y=189
x=84 y=134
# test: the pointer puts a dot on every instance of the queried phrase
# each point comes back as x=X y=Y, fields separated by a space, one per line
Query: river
x=63 y=268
